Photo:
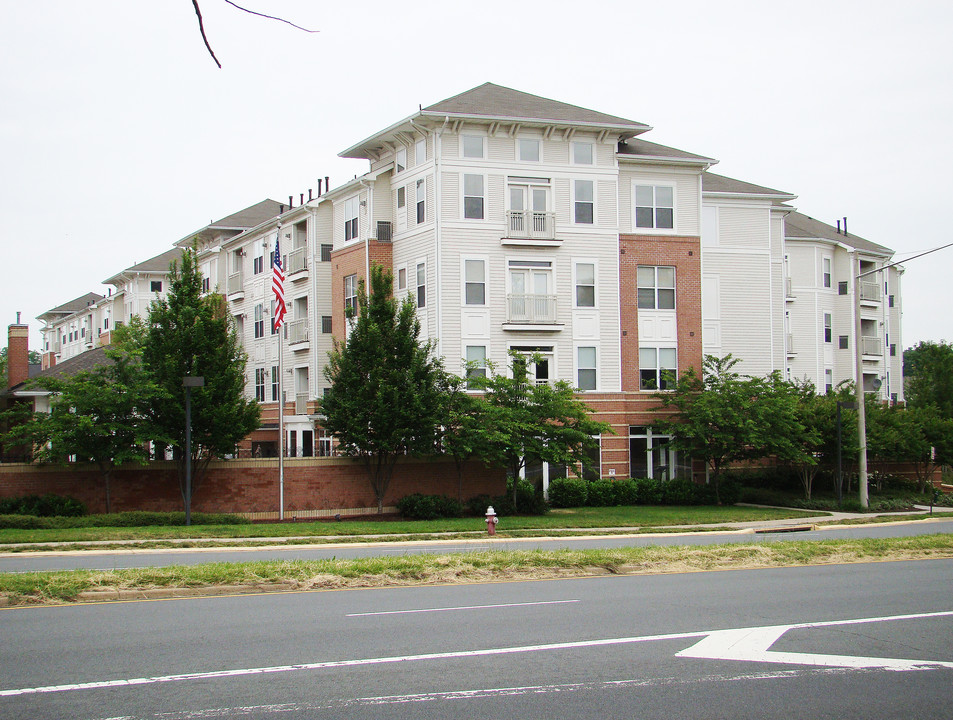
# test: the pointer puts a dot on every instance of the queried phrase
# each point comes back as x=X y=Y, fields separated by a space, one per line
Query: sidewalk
x=782 y=525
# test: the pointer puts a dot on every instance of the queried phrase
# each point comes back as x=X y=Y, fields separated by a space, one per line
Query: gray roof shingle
x=798 y=226
x=714 y=183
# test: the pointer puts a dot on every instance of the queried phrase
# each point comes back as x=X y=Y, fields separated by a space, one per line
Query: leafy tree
x=523 y=420
x=96 y=416
x=928 y=372
x=814 y=413
x=385 y=397
x=724 y=417
x=189 y=333
x=918 y=435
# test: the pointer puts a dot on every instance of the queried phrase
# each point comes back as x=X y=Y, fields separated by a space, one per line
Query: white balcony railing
x=539 y=309
x=870 y=291
x=788 y=287
x=301 y=403
x=789 y=343
x=298 y=331
x=871 y=345
x=236 y=283
x=529 y=224
x=297 y=260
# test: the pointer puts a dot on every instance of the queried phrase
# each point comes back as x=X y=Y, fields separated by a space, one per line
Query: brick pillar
x=18 y=351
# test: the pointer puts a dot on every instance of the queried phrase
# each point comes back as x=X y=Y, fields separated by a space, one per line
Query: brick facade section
x=353 y=261
x=250 y=486
x=684 y=254
x=18 y=354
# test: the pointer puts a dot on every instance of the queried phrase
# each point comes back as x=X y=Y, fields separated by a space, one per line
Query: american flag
x=278 y=285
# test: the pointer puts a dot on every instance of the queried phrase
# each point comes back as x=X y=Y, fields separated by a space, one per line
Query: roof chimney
x=291 y=201
x=845 y=226
x=327 y=184
x=18 y=353
x=838 y=227
x=319 y=187
x=310 y=196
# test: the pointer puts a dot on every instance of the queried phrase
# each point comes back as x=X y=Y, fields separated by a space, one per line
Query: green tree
x=523 y=421
x=385 y=397
x=928 y=374
x=815 y=414
x=723 y=417
x=189 y=333
x=97 y=416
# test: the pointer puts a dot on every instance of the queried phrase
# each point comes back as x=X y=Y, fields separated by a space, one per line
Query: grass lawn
x=448 y=568
x=563 y=519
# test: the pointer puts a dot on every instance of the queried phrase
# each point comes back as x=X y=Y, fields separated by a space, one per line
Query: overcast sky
x=119 y=135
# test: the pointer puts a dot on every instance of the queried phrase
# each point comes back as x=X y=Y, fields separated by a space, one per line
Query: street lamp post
x=840 y=473
x=189 y=382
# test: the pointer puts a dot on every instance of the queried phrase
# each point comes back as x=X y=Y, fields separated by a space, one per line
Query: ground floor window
x=651 y=457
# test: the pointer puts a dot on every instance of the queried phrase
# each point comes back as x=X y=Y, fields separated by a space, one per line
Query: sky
x=119 y=135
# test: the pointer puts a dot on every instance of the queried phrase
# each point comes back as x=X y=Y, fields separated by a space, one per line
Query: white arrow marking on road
x=753 y=645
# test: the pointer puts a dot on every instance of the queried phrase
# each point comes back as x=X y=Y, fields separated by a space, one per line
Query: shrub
x=648 y=492
x=48 y=505
x=123 y=519
x=625 y=492
x=600 y=494
x=568 y=492
x=531 y=502
x=678 y=492
x=429 y=507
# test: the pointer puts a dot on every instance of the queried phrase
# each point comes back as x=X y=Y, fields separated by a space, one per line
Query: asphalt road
x=112 y=559
x=853 y=641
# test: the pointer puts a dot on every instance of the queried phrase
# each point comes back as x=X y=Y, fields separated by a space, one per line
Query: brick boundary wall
x=314 y=487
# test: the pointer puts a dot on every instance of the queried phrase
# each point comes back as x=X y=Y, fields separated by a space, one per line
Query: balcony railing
x=301 y=403
x=870 y=291
x=297 y=260
x=789 y=343
x=236 y=283
x=540 y=309
x=298 y=331
x=871 y=345
x=788 y=288
x=531 y=225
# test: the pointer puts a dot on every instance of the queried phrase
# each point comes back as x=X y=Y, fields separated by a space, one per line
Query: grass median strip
x=475 y=567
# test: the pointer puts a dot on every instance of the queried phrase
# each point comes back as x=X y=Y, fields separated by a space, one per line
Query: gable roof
x=236 y=222
x=158 y=264
x=68 y=308
x=494 y=103
x=84 y=361
x=798 y=226
x=721 y=185
x=637 y=148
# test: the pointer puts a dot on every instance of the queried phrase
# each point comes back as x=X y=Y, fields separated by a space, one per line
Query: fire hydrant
x=491 y=521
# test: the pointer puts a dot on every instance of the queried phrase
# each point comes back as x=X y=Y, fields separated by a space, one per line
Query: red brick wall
x=250 y=486
x=684 y=254
x=18 y=354
x=352 y=261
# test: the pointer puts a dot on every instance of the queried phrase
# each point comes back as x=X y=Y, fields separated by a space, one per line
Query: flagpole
x=278 y=287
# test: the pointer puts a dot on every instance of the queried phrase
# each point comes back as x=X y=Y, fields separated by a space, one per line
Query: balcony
x=789 y=343
x=298 y=333
x=236 y=286
x=531 y=310
x=298 y=263
x=788 y=289
x=528 y=225
x=301 y=403
x=871 y=292
x=871 y=345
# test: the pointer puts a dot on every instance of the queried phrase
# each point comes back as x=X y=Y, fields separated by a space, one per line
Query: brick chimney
x=18 y=353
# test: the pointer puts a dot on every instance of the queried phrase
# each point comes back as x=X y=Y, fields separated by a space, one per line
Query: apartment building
x=521 y=224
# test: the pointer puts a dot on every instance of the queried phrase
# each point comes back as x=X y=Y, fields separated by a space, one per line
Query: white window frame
x=530 y=142
x=401 y=197
x=656 y=288
x=474 y=365
x=465 y=264
x=828 y=328
x=581 y=143
x=350 y=294
x=420 y=206
x=576 y=284
x=656 y=441
x=420 y=282
x=549 y=354
x=655 y=206
x=260 y=384
x=400 y=160
x=468 y=195
x=352 y=223
x=593 y=367
x=421 y=144
x=576 y=202
x=402 y=277
x=827 y=275
x=658 y=369
x=259 y=325
x=463 y=146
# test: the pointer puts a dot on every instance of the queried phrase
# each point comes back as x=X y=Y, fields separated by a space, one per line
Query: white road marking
x=461 y=607
x=753 y=645
x=728 y=639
